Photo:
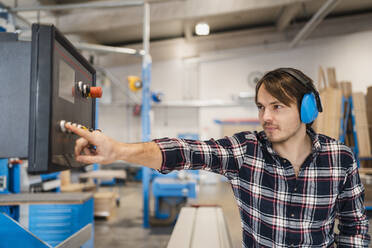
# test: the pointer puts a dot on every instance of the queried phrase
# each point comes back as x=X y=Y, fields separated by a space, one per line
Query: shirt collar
x=316 y=146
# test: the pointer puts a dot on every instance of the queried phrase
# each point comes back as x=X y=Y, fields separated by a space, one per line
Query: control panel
x=44 y=82
x=63 y=88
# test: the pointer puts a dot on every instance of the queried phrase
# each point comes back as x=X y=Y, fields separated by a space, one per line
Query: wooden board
x=65 y=177
x=183 y=230
x=104 y=174
x=369 y=112
x=200 y=227
x=44 y=198
x=78 y=187
x=105 y=204
x=361 y=124
x=346 y=88
x=329 y=121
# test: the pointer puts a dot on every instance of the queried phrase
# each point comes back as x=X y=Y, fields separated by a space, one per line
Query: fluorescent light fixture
x=202 y=28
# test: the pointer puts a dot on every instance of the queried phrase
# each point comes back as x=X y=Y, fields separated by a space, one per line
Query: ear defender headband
x=310 y=104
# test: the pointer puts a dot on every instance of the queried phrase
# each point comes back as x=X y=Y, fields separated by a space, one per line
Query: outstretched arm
x=108 y=150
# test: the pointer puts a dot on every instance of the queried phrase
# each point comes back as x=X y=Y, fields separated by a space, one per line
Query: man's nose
x=267 y=115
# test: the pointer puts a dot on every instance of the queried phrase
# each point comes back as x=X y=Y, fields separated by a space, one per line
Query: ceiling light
x=202 y=28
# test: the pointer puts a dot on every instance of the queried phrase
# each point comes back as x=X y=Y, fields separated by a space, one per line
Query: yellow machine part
x=134 y=83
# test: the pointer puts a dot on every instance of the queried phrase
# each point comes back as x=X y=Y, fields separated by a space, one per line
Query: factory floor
x=125 y=229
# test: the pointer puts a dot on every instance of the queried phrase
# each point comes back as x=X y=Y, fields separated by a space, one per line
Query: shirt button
x=295 y=190
x=292 y=215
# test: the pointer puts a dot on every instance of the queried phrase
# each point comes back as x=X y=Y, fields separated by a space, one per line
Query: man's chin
x=275 y=138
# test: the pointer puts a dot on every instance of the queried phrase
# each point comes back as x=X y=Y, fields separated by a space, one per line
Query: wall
x=220 y=75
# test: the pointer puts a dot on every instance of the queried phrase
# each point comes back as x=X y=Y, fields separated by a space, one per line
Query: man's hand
x=106 y=148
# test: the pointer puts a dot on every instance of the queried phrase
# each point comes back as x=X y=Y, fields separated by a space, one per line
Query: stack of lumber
x=329 y=121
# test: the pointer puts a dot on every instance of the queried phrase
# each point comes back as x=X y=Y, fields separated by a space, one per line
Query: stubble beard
x=282 y=140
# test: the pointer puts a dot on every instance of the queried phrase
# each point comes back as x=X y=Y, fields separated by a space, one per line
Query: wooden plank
x=78 y=187
x=224 y=235
x=104 y=174
x=369 y=112
x=206 y=230
x=331 y=74
x=65 y=177
x=44 y=198
x=200 y=227
x=183 y=230
x=346 y=88
x=361 y=123
x=105 y=204
x=329 y=121
x=365 y=170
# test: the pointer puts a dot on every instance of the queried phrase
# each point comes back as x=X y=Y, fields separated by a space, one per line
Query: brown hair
x=284 y=87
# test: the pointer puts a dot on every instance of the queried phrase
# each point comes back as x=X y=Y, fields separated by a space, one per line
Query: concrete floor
x=125 y=228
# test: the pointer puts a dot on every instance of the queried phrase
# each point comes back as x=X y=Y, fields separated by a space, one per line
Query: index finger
x=81 y=132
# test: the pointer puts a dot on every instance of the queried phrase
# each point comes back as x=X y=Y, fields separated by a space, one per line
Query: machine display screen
x=66 y=82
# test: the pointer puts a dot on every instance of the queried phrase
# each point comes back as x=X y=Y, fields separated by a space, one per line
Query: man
x=289 y=182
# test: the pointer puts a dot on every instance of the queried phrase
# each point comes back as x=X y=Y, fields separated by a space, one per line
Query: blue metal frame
x=12 y=174
x=14 y=235
x=146 y=131
x=344 y=121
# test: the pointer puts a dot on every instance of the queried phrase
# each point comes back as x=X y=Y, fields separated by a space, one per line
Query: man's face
x=279 y=121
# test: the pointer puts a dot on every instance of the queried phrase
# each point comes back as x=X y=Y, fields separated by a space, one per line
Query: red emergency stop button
x=95 y=92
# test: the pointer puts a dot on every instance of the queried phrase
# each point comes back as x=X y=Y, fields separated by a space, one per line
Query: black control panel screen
x=66 y=81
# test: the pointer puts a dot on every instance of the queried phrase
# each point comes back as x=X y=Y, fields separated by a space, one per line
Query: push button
x=89 y=91
x=62 y=126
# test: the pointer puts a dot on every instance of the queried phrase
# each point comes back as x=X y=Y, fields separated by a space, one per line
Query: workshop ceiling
x=174 y=19
x=233 y=23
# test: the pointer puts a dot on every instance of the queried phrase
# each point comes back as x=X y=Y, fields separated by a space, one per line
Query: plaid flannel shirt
x=277 y=208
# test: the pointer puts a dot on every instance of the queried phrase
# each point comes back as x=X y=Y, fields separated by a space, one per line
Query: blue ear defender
x=309 y=110
x=311 y=104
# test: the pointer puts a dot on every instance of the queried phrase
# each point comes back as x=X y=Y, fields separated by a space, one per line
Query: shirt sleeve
x=223 y=156
x=353 y=222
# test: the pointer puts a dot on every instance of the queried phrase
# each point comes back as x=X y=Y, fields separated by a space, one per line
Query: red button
x=95 y=92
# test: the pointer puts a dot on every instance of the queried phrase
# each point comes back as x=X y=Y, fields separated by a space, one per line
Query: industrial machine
x=45 y=84
x=170 y=193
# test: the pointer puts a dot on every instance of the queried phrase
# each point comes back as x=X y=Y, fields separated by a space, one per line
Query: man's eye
x=259 y=107
x=278 y=106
